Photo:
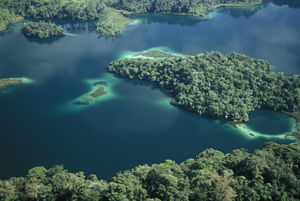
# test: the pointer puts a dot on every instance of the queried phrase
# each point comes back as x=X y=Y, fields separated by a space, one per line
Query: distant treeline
x=269 y=174
x=216 y=85
x=101 y=10
x=59 y=9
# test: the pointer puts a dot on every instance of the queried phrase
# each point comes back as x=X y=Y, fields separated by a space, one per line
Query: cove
x=139 y=125
x=267 y=124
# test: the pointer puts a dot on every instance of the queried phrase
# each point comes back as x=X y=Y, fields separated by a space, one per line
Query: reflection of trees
x=48 y=41
x=78 y=26
x=182 y=20
x=289 y=3
x=237 y=12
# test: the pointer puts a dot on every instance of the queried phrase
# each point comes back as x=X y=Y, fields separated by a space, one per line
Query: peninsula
x=216 y=85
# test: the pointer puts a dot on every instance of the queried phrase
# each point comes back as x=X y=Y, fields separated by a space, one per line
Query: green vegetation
x=7 y=18
x=296 y=132
x=59 y=9
x=269 y=174
x=190 y=7
x=216 y=85
x=42 y=29
x=111 y=23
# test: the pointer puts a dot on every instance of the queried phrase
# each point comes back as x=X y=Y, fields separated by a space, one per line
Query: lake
x=134 y=124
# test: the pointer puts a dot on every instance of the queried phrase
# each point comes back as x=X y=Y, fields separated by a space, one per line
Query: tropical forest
x=150 y=100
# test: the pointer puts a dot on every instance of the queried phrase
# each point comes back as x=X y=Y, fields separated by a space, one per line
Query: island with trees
x=42 y=29
x=112 y=15
x=269 y=174
x=216 y=85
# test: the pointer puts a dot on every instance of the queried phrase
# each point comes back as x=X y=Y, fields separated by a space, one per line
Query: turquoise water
x=270 y=123
x=40 y=125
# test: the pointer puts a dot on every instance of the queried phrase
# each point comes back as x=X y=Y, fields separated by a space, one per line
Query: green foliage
x=41 y=9
x=269 y=174
x=111 y=23
x=7 y=17
x=191 y=7
x=42 y=29
x=216 y=85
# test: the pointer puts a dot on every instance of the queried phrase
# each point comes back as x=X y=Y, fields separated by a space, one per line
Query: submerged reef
x=98 y=90
x=152 y=53
x=6 y=82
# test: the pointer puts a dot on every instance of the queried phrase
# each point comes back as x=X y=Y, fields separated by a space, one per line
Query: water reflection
x=48 y=41
x=237 y=12
x=182 y=20
x=289 y=3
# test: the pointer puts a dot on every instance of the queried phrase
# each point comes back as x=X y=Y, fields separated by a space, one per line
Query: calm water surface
x=137 y=126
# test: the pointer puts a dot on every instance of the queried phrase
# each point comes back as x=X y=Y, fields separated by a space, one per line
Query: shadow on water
x=182 y=20
x=238 y=12
x=289 y=3
x=142 y=83
x=48 y=41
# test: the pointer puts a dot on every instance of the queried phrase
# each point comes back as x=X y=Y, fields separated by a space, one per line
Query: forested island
x=111 y=21
x=42 y=29
x=270 y=174
x=216 y=85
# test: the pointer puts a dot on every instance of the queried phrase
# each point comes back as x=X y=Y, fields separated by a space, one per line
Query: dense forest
x=191 y=7
x=110 y=23
x=216 y=85
x=42 y=29
x=7 y=17
x=269 y=174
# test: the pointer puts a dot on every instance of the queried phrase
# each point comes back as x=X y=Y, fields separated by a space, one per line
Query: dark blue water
x=137 y=126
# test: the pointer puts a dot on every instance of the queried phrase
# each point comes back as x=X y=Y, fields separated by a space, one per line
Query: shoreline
x=126 y=20
x=204 y=15
x=296 y=132
x=16 y=20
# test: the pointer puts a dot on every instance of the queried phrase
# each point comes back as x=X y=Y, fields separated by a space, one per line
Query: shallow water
x=270 y=123
x=137 y=125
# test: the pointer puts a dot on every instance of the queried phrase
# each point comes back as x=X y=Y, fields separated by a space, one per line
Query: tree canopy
x=191 y=7
x=269 y=174
x=216 y=85
x=42 y=29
